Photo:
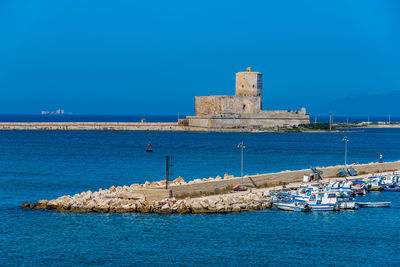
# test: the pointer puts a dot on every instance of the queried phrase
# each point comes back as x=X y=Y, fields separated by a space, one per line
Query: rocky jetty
x=125 y=200
x=206 y=195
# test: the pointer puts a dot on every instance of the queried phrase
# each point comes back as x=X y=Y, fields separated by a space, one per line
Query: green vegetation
x=316 y=126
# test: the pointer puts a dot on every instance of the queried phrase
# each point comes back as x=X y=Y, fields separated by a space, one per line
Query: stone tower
x=249 y=83
x=244 y=109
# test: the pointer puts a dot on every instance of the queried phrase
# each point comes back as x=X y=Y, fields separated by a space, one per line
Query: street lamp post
x=241 y=146
x=345 y=140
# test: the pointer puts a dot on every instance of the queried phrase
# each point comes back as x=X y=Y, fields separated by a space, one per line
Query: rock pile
x=180 y=181
x=124 y=200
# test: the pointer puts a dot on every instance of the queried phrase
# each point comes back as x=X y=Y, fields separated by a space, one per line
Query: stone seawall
x=113 y=126
x=96 y=126
x=272 y=179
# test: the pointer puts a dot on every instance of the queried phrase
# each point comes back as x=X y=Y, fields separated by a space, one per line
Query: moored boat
x=392 y=188
x=323 y=201
x=346 y=202
x=292 y=206
x=373 y=204
x=375 y=183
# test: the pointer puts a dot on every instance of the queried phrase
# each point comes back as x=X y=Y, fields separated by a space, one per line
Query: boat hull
x=291 y=207
x=324 y=207
x=392 y=189
x=373 y=204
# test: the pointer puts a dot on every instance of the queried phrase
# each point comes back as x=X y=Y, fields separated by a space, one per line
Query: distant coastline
x=173 y=126
x=68 y=117
x=170 y=123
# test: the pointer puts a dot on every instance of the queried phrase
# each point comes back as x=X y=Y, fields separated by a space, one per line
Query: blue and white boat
x=339 y=185
x=391 y=183
x=359 y=187
x=376 y=183
x=323 y=201
x=292 y=206
x=304 y=191
x=346 y=202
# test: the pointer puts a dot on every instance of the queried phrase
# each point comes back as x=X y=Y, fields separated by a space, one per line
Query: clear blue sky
x=153 y=57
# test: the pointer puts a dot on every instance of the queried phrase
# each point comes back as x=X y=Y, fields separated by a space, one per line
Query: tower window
x=242 y=86
x=253 y=85
x=244 y=106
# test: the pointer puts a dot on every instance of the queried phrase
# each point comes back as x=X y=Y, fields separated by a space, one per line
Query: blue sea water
x=85 y=118
x=47 y=164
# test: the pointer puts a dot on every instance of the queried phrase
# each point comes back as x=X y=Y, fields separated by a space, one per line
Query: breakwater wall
x=151 y=197
x=112 y=126
x=272 y=179
x=94 y=126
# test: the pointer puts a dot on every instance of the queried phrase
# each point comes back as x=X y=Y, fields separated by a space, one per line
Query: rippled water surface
x=43 y=164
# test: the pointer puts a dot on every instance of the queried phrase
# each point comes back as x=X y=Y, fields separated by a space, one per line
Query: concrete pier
x=207 y=195
x=93 y=126
x=111 y=126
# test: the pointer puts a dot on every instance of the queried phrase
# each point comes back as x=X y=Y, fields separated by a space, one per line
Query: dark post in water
x=168 y=171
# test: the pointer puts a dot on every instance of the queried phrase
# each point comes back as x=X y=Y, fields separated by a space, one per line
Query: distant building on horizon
x=244 y=109
x=57 y=112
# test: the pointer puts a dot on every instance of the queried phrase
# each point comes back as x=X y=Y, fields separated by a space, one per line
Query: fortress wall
x=260 y=120
x=202 y=122
x=257 y=122
x=216 y=105
x=209 y=105
x=285 y=113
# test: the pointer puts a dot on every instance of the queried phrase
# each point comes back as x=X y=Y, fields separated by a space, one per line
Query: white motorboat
x=292 y=206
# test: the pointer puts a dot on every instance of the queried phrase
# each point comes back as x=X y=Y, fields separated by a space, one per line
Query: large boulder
x=135 y=186
x=42 y=204
x=236 y=208
x=154 y=185
x=179 y=180
x=220 y=208
x=144 y=207
x=130 y=195
x=196 y=206
x=28 y=205
x=205 y=204
x=183 y=207
x=227 y=176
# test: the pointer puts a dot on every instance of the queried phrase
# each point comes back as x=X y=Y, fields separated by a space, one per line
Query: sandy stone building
x=244 y=109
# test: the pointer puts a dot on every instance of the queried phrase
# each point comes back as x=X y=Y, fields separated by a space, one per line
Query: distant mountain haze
x=383 y=104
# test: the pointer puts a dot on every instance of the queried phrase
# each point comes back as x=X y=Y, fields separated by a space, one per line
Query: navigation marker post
x=241 y=146
x=345 y=140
